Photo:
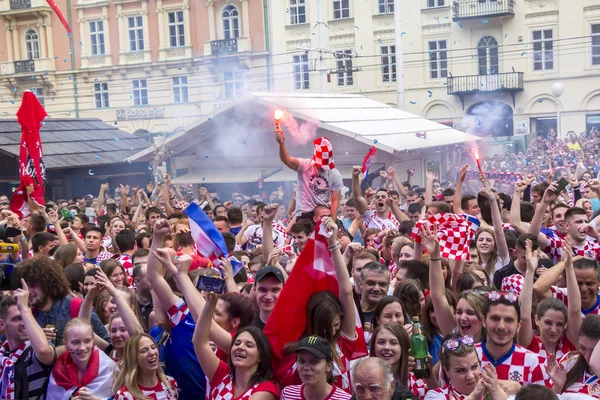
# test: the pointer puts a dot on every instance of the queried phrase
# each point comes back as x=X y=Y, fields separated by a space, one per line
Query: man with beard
x=49 y=296
x=143 y=291
x=375 y=281
x=514 y=363
x=386 y=214
x=26 y=358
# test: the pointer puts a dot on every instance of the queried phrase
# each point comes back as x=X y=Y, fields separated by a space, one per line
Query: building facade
x=493 y=61
x=146 y=66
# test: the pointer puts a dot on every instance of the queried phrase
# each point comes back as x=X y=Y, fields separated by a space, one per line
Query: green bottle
x=418 y=347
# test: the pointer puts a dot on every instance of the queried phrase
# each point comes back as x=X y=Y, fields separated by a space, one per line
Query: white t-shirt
x=254 y=234
x=372 y=220
x=315 y=186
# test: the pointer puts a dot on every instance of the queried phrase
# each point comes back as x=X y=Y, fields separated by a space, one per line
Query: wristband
x=334 y=247
x=435 y=259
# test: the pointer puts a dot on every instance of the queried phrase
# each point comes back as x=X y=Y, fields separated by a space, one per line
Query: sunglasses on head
x=454 y=343
x=497 y=296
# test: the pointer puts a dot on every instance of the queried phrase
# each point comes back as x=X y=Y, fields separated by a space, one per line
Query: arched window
x=32 y=44
x=231 y=22
x=487 y=55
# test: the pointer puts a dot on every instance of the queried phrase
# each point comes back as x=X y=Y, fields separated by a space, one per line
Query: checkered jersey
x=589 y=250
x=519 y=365
x=103 y=255
x=178 y=312
x=222 y=386
x=454 y=231
x=561 y=294
x=126 y=262
x=323 y=153
x=372 y=220
x=588 y=384
x=537 y=346
x=417 y=386
x=159 y=392
x=513 y=283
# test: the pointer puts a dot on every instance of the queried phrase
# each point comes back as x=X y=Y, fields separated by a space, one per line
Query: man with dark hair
x=235 y=217
x=406 y=228
x=414 y=212
x=247 y=208
x=42 y=243
x=375 y=280
x=49 y=295
x=152 y=215
x=438 y=207
x=81 y=203
x=268 y=284
x=111 y=209
x=126 y=245
x=26 y=356
x=448 y=197
x=351 y=215
x=229 y=241
x=537 y=192
x=93 y=240
x=37 y=223
x=300 y=231
x=222 y=223
x=143 y=240
x=504 y=277
x=469 y=205
x=537 y=392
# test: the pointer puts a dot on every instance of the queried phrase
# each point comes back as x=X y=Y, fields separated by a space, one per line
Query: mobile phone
x=211 y=284
x=562 y=183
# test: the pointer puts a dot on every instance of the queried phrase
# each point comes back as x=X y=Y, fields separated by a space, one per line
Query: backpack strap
x=75 y=306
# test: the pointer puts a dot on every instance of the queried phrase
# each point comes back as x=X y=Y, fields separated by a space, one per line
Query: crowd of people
x=501 y=277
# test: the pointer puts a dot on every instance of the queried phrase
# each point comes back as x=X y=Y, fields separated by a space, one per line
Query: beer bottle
x=418 y=346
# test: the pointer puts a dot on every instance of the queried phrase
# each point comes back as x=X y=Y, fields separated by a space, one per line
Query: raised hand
x=166 y=259
x=352 y=249
x=430 y=241
x=102 y=279
x=332 y=228
x=463 y=173
x=549 y=195
x=162 y=228
x=532 y=257
x=356 y=170
x=104 y=187
x=21 y=296
x=556 y=371
x=269 y=211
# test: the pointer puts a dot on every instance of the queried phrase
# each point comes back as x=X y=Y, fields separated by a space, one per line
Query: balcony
x=20 y=4
x=23 y=6
x=471 y=84
x=24 y=66
x=27 y=68
x=477 y=9
x=225 y=46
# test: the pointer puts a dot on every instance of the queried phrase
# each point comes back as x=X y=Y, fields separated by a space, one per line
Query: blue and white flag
x=208 y=239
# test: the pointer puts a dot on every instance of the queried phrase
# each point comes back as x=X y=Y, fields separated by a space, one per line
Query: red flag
x=59 y=15
x=368 y=159
x=313 y=272
x=31 y=157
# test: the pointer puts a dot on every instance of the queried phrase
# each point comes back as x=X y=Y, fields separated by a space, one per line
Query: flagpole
x=72 y=51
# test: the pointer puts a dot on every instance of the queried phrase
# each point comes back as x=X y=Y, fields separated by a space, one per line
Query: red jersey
x=587 y=384
x=589 y=250
x=446 y=393
x=561 y=294
x=519 y=365
x=537 y=346
x=222 y=386
x=158 y=392
x=417 y=386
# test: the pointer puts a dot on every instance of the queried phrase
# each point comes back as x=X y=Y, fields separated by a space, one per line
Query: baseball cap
x=269 y=269
x=318 y=346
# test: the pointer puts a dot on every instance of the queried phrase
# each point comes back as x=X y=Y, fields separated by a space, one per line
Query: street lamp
x=557 y=90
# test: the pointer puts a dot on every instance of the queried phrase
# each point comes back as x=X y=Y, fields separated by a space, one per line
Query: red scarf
x=7 y=369
x=65 y=371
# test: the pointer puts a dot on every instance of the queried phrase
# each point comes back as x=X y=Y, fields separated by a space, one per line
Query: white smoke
x=300 y=133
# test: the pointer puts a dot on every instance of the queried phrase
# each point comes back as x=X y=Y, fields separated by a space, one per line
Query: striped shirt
x=29 y=369
x=296 y=392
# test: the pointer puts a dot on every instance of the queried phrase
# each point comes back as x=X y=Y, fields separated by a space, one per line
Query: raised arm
x=348 y=327
x=431 y=176
x=458 y=190
x=443 y=312
x=515 y=209
x=154 y=269
x=526 y=297
x=285 y=157
x=132 y=324
x=206 y=197
x=400 y=216
x=361 y=203
x=536 y=223
x=403 y=190
x=501 y=246
x=574 y=305
x=206 y=356
x=335 y=202
x=268 y=215
x=542 y=286
x=167 y=195
x=100 y=203
x=124 y=194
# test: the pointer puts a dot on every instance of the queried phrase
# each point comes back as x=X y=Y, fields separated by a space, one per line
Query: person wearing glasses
x=464 y=376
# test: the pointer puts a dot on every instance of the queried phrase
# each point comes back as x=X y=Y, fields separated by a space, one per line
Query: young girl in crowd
x=115 y=272
x=84 y=370
x=389 y=309
x=314 y=361
x=249 y=370
x=410 y=293
x=68 y=254
x=141 y=375
x=464 y=377
x=492 y=252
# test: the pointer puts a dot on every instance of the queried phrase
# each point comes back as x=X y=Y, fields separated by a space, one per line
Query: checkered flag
x=323 y=155
x=454 y=231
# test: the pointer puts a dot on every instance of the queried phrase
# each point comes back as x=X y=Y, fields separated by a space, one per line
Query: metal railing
x=24 y=66
x=223 y=46
x=470 y=9
x=505 y=82
x=20 y=4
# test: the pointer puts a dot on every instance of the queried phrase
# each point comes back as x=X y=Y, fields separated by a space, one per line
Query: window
x=136 y=33
x=180 y=89
x=32 y=45
x=39 y=93
x=140 y=92
x=341 y=9
x=345 y=75
x=101 y=95
x=386 y=6
x=388 y=64
x=234 y=83
x=176 y=26
x=301 y=74
x=436 y=3
x=97 y=37
x=543 y=50
x=487 y=55
x=297 y=12
x=231 y=22
x=596 y=44
x=438 y=59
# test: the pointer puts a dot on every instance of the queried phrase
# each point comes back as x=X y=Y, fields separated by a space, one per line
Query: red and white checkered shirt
x=126 y=262
x=589 y=250
x=372 y=220
x=222 y=386
x=107 y=243
x=103 y=255
x=417 y=386
x=177 y=312
x=513 y=283
x=445 y=393
x=561 y=294
x=537 y=346
x=519 y=365
x=587 y=384
x=159 y=392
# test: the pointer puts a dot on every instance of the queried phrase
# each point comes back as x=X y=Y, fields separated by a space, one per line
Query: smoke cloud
x=301 y=133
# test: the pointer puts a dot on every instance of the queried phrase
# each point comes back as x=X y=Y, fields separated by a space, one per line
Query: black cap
x=269 y=269
x=318 y=346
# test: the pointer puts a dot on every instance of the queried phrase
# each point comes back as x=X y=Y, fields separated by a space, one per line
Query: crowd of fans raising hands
x=100 y=301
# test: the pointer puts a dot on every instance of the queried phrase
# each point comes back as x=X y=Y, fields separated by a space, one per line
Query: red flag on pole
x=59 y=15
x=31 y=157
x=368 y=160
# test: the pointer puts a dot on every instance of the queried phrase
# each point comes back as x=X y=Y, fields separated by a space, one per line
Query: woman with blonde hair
x=141 y=376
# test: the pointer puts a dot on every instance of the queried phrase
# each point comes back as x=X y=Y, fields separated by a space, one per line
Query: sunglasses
x=508 y=296
x=453 y=344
